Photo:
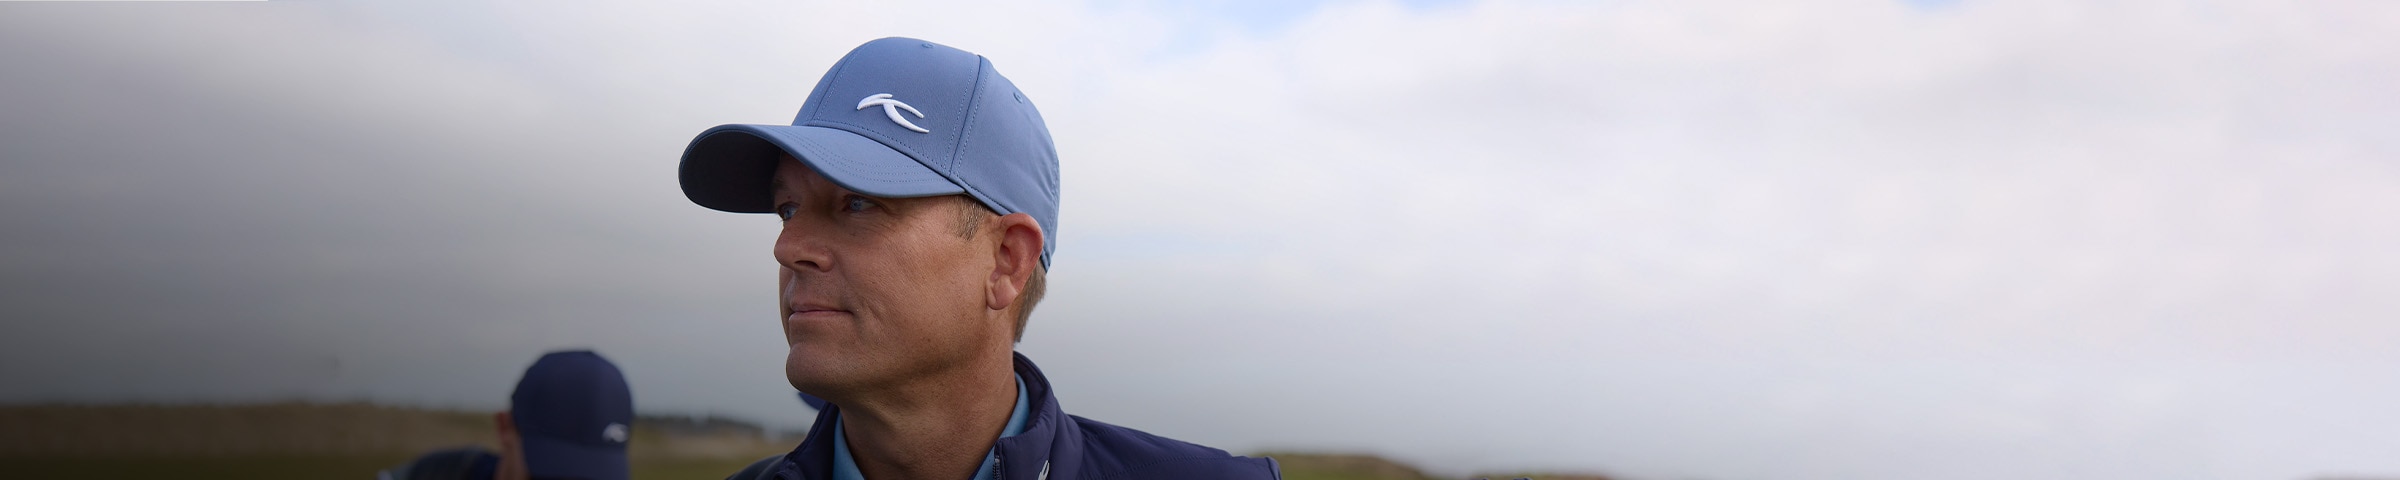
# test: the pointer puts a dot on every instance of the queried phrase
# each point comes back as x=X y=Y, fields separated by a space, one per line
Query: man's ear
x=504 y=425
x=512 y=448
x=1013 y=263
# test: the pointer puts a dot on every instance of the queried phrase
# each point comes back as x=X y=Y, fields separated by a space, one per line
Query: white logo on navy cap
x=615 y=432
x=891 y=108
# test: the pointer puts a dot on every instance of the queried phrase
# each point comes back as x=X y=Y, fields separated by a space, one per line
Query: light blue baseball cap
x=896 y=118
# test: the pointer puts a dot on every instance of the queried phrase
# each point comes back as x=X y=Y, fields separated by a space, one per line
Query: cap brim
x=553 y=458
x=730 y=167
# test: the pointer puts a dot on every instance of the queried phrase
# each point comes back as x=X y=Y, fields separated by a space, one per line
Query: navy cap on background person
x=896 y=118
x=574 y=413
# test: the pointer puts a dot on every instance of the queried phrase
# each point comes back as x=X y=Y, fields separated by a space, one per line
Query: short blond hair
x=971 y=216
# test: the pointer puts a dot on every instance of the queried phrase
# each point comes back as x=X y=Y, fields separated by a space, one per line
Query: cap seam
x=816 y=101
x=818 y=152
x=965 y=122
x=878 y=137
x=967 y=134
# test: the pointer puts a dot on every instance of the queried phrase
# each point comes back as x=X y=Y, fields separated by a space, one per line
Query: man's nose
x=801 y=248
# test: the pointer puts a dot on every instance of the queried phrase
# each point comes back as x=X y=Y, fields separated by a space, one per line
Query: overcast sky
x=1684 y=239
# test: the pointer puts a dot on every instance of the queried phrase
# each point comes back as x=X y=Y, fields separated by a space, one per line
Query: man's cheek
x=783 y=295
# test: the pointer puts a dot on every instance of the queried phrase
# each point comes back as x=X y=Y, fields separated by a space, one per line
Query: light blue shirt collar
x=846 y=468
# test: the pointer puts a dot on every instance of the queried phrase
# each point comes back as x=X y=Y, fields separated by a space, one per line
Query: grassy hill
x=312 y=441
x=353 y=440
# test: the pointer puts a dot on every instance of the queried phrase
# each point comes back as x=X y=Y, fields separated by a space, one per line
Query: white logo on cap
x=615 y=432
x=891 y=108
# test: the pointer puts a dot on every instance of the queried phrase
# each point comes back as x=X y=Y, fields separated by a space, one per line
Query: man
x=569 y=418
x=918 y=193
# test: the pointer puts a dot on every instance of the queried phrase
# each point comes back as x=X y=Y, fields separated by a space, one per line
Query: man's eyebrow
x=774 y=185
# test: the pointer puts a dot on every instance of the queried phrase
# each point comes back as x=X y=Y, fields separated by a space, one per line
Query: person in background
x=568 y=419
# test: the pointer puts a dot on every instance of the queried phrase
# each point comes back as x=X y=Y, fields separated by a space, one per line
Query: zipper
x=1045 y=475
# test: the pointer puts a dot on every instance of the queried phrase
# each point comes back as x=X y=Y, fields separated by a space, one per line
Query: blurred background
x=1872 y=239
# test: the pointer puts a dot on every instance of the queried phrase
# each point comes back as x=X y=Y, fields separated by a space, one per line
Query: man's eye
x=856 y=204
x=787 y=210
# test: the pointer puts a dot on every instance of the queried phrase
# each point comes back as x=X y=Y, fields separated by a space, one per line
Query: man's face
x=875 y=290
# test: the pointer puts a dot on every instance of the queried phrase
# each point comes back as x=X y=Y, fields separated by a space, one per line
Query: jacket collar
x=1024 y=456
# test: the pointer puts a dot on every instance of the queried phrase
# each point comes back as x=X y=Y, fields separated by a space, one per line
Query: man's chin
x=811 y=373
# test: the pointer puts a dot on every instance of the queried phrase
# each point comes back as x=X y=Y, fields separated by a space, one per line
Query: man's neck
x=938 y=428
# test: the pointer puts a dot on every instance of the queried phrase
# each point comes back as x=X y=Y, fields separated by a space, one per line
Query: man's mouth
x=812 y=309
x=810 y=317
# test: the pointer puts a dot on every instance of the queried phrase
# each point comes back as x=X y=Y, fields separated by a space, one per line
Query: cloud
x=1721 y=239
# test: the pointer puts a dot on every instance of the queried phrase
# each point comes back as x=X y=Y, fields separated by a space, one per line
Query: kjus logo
x=615 y=432
x=892 y=108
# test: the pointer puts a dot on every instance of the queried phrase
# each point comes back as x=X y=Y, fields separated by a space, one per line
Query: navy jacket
x=463 y=463
x=1054 y=446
